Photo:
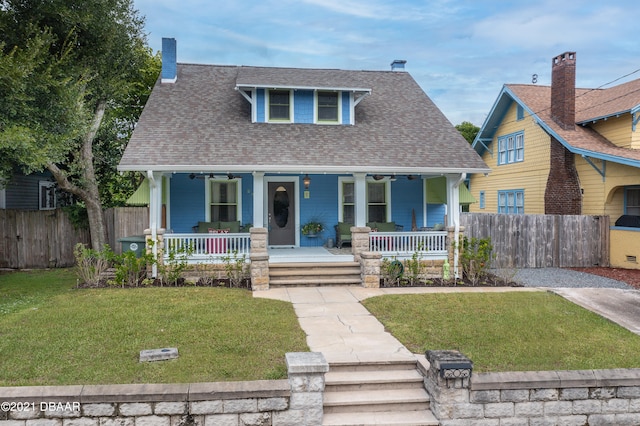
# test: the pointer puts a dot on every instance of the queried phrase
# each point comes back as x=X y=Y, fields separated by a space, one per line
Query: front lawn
x=53 y=334
x=508 y=331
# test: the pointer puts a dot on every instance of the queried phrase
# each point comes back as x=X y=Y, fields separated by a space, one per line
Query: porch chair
x=343 y=233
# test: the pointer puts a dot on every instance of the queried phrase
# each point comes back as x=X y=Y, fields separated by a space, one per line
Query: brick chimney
x=563 y=194
x=563 y=90
x=169 y=72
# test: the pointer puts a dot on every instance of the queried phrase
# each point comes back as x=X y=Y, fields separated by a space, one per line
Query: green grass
x=508 y=331
x=53 y=334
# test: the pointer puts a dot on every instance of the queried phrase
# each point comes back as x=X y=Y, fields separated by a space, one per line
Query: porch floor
x=308 y=254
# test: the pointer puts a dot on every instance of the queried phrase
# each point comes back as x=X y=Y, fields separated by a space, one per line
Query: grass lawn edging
x=292 y=402
x=581 y=397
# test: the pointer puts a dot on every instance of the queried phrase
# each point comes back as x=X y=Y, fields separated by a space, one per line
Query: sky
x=460 y=52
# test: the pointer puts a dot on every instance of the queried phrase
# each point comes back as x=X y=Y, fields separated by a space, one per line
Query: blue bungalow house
x=232 y=148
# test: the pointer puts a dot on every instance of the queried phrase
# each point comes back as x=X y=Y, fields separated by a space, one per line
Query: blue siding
x=322 y=205
x=260 y=105
x=303 y=106
x=247 y=199
x=435 y=214
x=346 y=108
x=187 y=202
x=406 y=196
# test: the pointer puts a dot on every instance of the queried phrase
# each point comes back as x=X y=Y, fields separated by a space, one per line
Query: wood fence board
x=44 y=239
x=538 y=241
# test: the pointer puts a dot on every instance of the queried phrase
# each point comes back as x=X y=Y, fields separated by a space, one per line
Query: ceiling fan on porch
x=393 y=177
x=213 y=176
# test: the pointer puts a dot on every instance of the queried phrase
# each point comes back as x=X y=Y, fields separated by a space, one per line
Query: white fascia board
x=230 y=168
x=288 y=87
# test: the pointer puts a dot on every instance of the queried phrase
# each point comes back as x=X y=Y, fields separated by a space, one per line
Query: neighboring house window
x=482 y=200
x=378 y=204
x=511 y=148
x=519 y=113
x=632 y=201
x=47 y=195
x=279 y=105
x=511 y=201
x=327 y=106
x=225 y=200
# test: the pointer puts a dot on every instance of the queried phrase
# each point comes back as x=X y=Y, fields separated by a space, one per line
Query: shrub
x=475 y=258
x=90 y=264
x=236 y=268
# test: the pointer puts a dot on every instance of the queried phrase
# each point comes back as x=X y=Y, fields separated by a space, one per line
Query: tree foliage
x=74 y=75
x=468 y=130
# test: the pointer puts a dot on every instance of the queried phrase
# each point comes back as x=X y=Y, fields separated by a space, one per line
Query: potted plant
x=312 y=228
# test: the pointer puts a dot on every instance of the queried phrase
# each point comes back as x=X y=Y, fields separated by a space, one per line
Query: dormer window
x=327 y=107
x=279 y=105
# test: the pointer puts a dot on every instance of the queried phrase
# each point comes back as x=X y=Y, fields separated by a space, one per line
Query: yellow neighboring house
x=562 y=150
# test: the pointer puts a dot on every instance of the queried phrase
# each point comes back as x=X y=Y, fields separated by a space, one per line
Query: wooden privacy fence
x=38 y=239
x=45 y=239
x=125 y=222
x=541 y=241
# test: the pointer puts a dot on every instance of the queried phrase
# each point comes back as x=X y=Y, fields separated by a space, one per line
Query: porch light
x=378 y=177
x=307 y=181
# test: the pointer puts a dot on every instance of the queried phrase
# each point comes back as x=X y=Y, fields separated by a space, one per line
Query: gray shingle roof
x=201 y=123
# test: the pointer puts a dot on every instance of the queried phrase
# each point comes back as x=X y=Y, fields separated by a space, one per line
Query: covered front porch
x=262 y=216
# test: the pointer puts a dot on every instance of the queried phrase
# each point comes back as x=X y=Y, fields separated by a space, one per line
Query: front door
x=282 y=218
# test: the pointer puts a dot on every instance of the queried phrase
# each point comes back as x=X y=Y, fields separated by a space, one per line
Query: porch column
x=155 y=212
x=360 y=199
x=453 y=214
x=258 y=199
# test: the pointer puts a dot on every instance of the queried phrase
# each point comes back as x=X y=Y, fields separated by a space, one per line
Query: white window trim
x=267 y=111
x=347 y=179
x=207 y=196
x=46 y=184
x=316 y=107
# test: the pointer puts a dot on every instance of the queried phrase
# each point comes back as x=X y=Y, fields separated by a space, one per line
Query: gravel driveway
x=565 y=278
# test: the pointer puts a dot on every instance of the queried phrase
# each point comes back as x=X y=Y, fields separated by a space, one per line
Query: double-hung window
x=47 y=196
x=378 y=201
x=327 y=107
x=511 y=201
x=511 y=148
x=279 y=105
x=632 y=201
x=225 y=200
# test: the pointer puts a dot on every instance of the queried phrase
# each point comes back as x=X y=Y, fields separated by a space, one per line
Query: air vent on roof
x=398 y=65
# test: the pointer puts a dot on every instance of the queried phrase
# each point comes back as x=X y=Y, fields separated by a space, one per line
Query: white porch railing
x=207 y=247
x=430 y=244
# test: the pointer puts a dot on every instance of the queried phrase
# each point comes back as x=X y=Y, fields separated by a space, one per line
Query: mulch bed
x=629 y=276
x=104 y=283
x=490 y=280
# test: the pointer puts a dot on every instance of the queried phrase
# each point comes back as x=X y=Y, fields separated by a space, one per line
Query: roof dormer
x=291 y=96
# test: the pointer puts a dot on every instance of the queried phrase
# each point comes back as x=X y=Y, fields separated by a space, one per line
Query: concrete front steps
x=385 y=393
x=314 y=274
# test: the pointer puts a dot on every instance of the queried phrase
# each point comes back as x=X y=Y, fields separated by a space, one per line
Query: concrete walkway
x=341 y=328
x=618 y=305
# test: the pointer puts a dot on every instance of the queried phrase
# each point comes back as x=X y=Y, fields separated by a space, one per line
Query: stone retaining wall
x=293 y=402
x=589 y=397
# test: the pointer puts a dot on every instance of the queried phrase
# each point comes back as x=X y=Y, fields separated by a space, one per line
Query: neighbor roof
x=591 y=105
x=202 y=123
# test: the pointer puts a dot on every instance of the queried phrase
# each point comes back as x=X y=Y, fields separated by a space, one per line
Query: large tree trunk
x=89 y=191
